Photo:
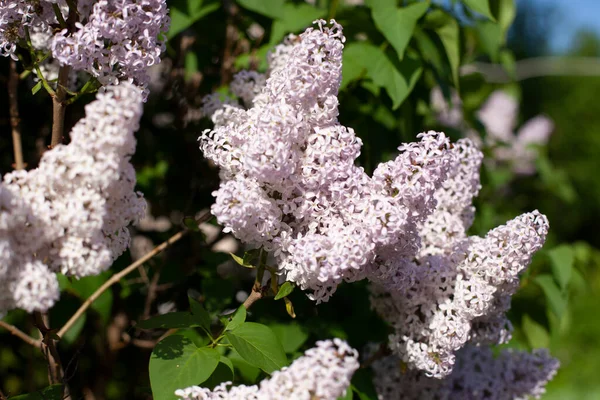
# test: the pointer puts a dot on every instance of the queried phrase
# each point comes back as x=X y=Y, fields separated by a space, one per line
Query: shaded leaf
x=449 y=35
x=222 y=373
x=184 y=17
x=199 y=313
x=179 y=319
x=258 y=345
x=292 y=336
x=269 y=8
x=555 y=298
x=397 y=78
x=561 y=260
x=296 y=17
x=177 y=363
x=246 y=370
x=536 y=334
x=53 y=392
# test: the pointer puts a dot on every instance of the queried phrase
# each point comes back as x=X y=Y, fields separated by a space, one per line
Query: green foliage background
x=396 y=52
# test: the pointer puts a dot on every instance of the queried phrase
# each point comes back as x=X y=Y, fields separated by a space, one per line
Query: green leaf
x=36 y=88
x=258 y=345
x=179 y=319
x=241 y=261
x=183 y=17
x=506 y=15
x=200 y=314
x=555 y=298
x=223 y=373
x=536 y=334
x=292 y=336
x=269 y=8
x=53 y=392
x=397 y=78
x=177 y=363
x=480 y=6
x=237 y=319
x=285 y=290
x=449 y=35
x=397 y=24
x=296 y=17
x=561 y=260
x=490 y=36
x=247 y=371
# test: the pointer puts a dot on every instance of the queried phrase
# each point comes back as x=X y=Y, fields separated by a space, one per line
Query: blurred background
x=526 y=88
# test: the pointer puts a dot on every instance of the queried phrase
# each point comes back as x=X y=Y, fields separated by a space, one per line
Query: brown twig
x=55 y=370
x=59 y=106
x=151 y=296
x=20 y=334
x=255 y=295
x=2 y=395
x=118 y=276
x=13 y=83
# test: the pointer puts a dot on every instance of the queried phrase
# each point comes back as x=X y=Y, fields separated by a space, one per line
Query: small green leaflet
x=285 y=290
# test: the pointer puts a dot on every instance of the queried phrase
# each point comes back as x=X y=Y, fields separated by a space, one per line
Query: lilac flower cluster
x=113 y=41
x=70 y=215
x=120 y=41
x=289 y=183
x=323 y=373
x=499 y=117
x=512 y=375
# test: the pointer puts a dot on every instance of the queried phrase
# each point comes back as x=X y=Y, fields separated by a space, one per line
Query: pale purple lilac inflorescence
x=323 y=373
x=70 y=215
x=478 y=374
x=290 y=185
x=113 y=41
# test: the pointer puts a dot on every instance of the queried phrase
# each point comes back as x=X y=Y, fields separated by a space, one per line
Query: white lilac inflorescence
x=70 y=215
x=290 y=185
x=478 y=374
x=323 y=373
x=112 y=40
